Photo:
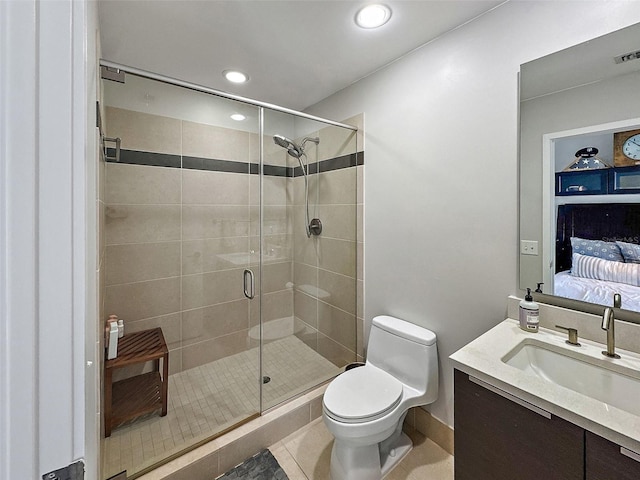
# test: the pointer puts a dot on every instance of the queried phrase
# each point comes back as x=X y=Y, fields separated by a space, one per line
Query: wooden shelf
x=141 y=394
x=139 y=347
x=135 y=397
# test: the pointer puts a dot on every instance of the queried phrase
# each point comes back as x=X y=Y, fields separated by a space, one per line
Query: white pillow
x=599 y=269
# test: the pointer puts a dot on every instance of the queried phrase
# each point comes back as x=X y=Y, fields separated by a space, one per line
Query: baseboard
x=432 y=428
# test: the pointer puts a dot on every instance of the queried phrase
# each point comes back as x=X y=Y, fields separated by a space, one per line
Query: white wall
x=441 y=168
x=47 y=226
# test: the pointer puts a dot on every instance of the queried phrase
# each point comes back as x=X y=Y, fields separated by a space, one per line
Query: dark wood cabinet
x=498 y=439
x=608 y=181
x=585 y=182
x=501 y=437
x=624 y=180
x=606 y=462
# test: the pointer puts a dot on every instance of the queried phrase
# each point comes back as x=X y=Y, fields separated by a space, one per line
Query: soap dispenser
x=529 y=314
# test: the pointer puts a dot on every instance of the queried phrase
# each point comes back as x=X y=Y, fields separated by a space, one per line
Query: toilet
x=364 y=408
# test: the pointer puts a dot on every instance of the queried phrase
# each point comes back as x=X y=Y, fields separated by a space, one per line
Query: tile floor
x=207 y=399
x=305 y=455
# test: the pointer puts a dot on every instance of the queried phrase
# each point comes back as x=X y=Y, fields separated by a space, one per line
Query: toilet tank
x=406 y=351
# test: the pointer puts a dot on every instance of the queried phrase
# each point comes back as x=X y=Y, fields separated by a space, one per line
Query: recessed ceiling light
x=238 y=117
x=235 y=76
x=373 y=16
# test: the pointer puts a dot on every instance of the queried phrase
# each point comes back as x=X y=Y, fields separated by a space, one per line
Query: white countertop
x=482 y=358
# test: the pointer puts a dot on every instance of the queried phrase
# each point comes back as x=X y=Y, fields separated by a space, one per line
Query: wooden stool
x=145 y=393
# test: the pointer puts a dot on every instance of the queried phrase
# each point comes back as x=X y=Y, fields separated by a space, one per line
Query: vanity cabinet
x=605 y=460
x=501 y=437
x=498 y=439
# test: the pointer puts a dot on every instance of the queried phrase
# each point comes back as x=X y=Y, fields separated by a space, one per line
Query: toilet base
x=351 y=462
x=400 y=450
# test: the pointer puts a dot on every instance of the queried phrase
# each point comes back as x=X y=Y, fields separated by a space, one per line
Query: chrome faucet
x=608 y=324
x=573 y=336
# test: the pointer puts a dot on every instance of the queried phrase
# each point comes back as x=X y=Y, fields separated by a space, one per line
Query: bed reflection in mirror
x=598 y=253
x=579 y=180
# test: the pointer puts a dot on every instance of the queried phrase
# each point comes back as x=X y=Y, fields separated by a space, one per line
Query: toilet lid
x=362 y=394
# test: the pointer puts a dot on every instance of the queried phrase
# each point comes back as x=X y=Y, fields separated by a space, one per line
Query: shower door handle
x=249 y=284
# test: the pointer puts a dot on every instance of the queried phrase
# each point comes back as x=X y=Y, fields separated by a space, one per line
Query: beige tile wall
x=360 y=263
x=144 y=132
x=277 y=274
x=173 y=239
x=327 y=271
x=358 y=120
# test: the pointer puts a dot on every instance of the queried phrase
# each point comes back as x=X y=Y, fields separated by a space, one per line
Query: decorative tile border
x=214 y=165
x=274 y=170
x=337 y=163
x=151 y=159
x=134 y=157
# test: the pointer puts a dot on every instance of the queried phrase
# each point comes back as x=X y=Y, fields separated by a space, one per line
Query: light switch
x=529 y=247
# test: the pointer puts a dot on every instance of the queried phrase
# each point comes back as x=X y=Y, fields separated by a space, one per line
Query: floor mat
x=262 y=466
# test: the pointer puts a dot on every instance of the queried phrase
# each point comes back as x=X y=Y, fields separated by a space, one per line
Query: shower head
x=284 y=142
x=292 y=149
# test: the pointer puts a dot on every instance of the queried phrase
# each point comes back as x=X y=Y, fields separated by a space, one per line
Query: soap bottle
x=112 y=350
x=112 y=318
x=120 y=328
x=529 y=313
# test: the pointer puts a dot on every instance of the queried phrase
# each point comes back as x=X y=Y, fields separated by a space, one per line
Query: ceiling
x=296 y=52
x=583 y=64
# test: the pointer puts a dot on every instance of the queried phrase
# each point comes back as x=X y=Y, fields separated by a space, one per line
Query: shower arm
x=315 y=140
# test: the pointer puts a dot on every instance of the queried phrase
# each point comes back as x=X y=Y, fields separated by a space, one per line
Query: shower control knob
x=315 y=226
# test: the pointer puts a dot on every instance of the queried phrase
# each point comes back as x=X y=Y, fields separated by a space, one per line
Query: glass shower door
x=309 y=254
x=232 y=228
x=180 y=232
x=220 y=169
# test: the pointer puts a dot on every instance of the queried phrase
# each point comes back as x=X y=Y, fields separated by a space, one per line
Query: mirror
x=579 y=178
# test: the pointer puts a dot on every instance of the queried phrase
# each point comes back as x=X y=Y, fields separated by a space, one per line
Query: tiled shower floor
x=207 y=399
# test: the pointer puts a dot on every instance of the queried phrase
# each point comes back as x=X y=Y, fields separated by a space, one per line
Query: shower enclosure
x=240 y=247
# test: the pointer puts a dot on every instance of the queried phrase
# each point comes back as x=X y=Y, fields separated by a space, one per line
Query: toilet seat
x=361 y=395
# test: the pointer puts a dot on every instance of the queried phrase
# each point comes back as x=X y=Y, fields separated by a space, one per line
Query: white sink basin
x=584 y=373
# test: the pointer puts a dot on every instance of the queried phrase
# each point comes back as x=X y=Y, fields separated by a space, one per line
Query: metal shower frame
x=219 y=93
x=118 y=71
